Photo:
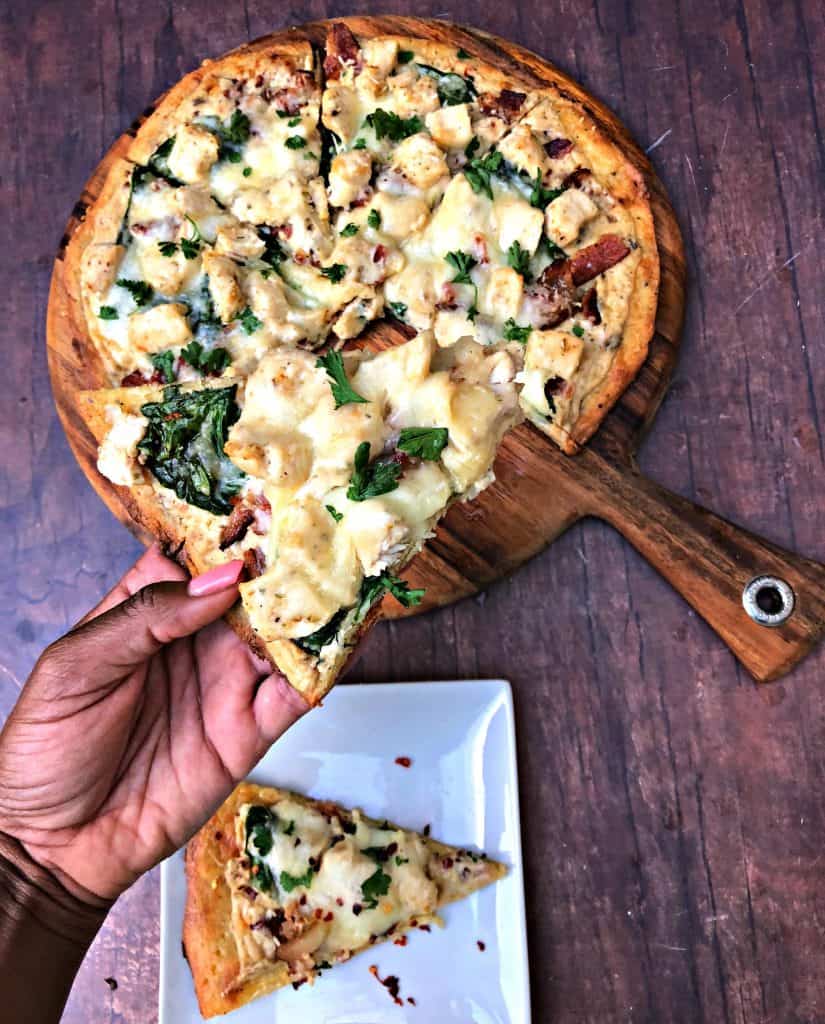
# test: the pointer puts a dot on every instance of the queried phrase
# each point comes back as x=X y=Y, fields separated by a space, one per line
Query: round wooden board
x=538 y=492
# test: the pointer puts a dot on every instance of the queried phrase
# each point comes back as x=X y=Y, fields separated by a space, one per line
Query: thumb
x=154 y=616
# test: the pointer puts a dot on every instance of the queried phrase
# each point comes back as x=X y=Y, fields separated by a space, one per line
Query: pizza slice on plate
x=281 y=887
x=326 y=475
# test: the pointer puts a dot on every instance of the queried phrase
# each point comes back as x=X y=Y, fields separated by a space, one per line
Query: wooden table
x=673 y=815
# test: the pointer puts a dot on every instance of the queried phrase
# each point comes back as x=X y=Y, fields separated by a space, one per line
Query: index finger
x=152 y=567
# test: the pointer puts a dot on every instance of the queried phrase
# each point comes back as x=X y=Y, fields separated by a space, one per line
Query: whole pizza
x=276 y=203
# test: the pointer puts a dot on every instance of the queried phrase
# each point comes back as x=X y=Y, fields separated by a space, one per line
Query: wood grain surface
x=673 y=815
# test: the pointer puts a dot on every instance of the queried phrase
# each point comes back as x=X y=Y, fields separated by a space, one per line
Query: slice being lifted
x=325 y=475
x=280 y=886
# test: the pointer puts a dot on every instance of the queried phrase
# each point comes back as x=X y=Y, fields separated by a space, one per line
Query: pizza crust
x=208 y=943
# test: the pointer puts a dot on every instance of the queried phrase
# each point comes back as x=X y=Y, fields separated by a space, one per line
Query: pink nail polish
x=219 y=578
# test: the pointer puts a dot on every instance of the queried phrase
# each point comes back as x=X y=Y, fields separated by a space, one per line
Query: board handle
x=767 y=604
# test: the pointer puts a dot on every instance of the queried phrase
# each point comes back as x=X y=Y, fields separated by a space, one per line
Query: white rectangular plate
x=462 y=781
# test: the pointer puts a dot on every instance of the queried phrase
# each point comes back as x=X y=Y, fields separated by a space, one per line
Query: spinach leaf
x=313 y=643
x=375 y=587
x=231 y=135
x=452 y=88
x=183 y=446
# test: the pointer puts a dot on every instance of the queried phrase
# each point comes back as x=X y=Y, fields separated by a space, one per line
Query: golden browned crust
x=626 y=185
x=208 y=941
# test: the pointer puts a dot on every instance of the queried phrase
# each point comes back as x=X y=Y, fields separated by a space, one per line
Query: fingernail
x=219 y=578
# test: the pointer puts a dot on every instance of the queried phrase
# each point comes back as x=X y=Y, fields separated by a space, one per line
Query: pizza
x=281 y=887
x=275 y=206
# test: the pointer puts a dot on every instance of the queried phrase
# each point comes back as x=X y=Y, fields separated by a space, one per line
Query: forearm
x=44 y=933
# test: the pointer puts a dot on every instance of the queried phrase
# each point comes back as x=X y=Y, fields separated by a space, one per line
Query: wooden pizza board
x=538 y=492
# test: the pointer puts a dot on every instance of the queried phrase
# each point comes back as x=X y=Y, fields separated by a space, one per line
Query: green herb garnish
x=336 y=515
x=164 y=363
x=249 y=322
x=404 y=56
x=334 y=273
x=289 y=882
x=462 y=263
x=424 y=442
x=519 y=260
x=387 y=124
x=108 y=313
x=398 y=309
x=342 y=391
x=140 y=291
x=513 y=332
x=349 y=231
x=378 y=884
x=540 y=196
x=578 y=330
x=207 y=361
x=295 y=142
x=232 y=136
x=452 y=88
x=371 y=479
x=478 y=172
x=374 y=219
x=375 y=587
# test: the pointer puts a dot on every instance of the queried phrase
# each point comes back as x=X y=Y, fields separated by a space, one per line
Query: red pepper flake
x=400 y=941
x=404 y=762
x=297 y=984
x=446 y=863
x=426 y=830
x=424 y=928
x=481 y=945
x=218 y=836
x=339 y=901
x=410 y=1000
x=329 y=915
x=390 y=983
x=318 y=913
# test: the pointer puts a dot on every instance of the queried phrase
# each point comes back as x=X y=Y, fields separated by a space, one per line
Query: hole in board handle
x=768 y=600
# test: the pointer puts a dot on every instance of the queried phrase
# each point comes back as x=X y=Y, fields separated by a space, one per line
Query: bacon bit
x=424 y=928
x=318 y=913
x=234 y=529
x=329 y=915
x=595 y=259
x=552 y=295
x=254 y=563
x=576 y=178
x=379 y=254
x=302 y=901
x=297 y=984
x=134 y=380
x=414 y=922
x=480 y=945
x=342 y=48
x=250 y=893
x=590 y=306
x=404 y=762
x=400 y=941
x=401 y=458
x=339 y=901
x=410 y=1000
x=283 y=230
x=505 y=104
x=446 y=863
x=557 y=147
x=390 y=983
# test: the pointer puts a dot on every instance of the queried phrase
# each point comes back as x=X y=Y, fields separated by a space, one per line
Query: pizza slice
x=281 y=887
x=326 y=475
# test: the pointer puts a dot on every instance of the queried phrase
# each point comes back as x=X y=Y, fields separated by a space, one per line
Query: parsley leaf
x=295 y=142
x=359 y=144
x=399 y=860
x=540 y=196
x=374 y=587
x=336 y=515
x=404 y=56
x=555 y=252
x=206 y=361
x=349 y=231
x=472 y=147
x=249 y=322
x=398 y=309
x=512 y=331
x=168 y=248
x=371 y=479
x=374 y=219
x=519 y=260
x=258 y=825
x=578 y=330
x=164 y=363
x=425 y=442
x=246 y=172
x=232 y=136
x=108 y=313
x=140 y=291
x=342 y=391
x=462 y=263
x=378 y=884
x=183 y=446
x=334 y=273
x=478 y=172
x=452 y=88
x=293 y=122
x=387 y=124
x=289 y=882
